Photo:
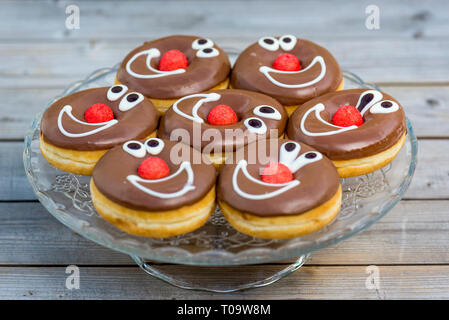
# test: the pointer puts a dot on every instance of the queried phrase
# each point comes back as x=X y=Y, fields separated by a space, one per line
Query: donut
x=287 y=68
x=169 y=68
x=219 y=122
x=291 y=191
x=146 y=188
x=78 y=129
x=360 y=130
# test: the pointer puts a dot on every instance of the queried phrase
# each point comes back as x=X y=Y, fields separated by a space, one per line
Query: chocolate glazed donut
x=279 y=210
x=259 y=116
x=208 y=66
x=176 y=203
x=63 y=123
x=319 y=74
x=71 y=143
x=382 y=133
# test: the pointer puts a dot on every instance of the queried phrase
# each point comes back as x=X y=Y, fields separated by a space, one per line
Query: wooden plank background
x=407 y=57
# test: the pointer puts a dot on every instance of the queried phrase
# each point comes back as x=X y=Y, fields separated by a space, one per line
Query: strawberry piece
x=287 y=62
x=222 y=115
x=347 y=116
x=153 y=168
x=98 y=112
x=172 y=60
x=276 y=173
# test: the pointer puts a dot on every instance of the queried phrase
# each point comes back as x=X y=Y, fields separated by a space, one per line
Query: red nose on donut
x=276 y=173
x=222 y=115
x=287 y=62
x=172 y=60
x=347 y=116
x=153 y=168
x=98 y=112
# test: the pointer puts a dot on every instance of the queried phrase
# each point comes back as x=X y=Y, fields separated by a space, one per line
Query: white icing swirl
x=318 y=59
x=207 y=97
x=135 y=180
x=68 y=110
x=151 y=53
x=241 y=165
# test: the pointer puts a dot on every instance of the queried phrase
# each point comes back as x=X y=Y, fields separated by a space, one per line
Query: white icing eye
x=255 y=125
x=287 y=42
x=305 y=159
x=115 y=92
x=199 y=44
x=289 y=152
x=385 y=106
x=267 y=111
x=269 y=43
x=130 y=101
x=154 y=145
x=207 y=53
x=135 y=148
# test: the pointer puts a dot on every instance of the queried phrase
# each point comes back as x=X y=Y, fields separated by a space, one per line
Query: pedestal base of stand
x=219 y=279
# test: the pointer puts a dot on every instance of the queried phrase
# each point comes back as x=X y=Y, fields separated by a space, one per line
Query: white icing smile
x=369 y=100
x=100 y=126
x=150 y=53
x=288 y=157
x=185 y=166
x=318 y=59
x=206 y=97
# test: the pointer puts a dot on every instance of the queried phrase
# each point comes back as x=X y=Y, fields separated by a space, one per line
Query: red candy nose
x=98 y=112
x=222 y=115
x=287 y=62
x=276 y=173
x=153 y=168
x=347 y=116
x=173 y=60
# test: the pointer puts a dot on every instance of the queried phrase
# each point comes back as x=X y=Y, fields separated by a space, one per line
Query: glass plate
x=66 y=196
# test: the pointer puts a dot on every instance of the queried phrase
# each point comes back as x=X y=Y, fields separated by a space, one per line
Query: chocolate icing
x=378 y=133
x=112 y=169
x=201 y=74
x=246 y=74
x=319 y=182
x=241 y=101
x=136 y=123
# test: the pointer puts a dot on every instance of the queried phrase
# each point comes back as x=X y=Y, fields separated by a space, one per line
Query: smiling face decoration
x=118 y=177
x=255 y=70
x=384 y=124
x=207 y=66
x=258 y=117
x=315 y=179
x=75 y=121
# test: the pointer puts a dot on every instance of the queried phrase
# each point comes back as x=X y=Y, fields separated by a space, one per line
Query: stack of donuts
x=180 y=131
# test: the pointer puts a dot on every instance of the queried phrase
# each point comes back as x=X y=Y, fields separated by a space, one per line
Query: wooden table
x=408 y=57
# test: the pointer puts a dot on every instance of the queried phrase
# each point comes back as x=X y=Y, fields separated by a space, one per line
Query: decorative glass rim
x=207 y=257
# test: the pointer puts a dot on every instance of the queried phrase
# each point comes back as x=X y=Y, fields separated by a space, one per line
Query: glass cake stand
x=216 y=247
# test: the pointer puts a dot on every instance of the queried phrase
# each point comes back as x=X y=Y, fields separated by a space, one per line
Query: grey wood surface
x=407 y=56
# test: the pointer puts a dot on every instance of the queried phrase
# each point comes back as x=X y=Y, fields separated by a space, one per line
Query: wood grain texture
x=55 y=64
x=415 y=232
x=310 y=282
x=140 y=19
